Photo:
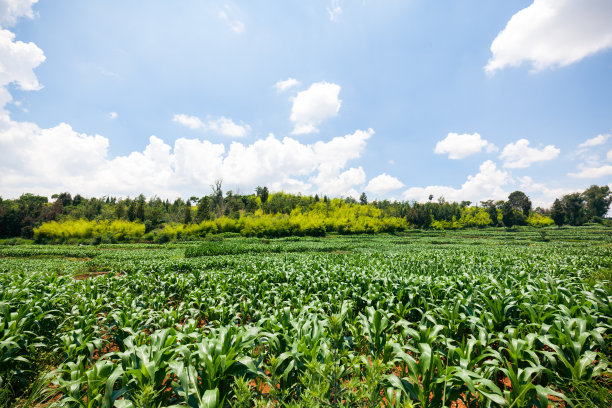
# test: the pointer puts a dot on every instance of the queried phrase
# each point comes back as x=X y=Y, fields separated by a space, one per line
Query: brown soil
x=87 y=275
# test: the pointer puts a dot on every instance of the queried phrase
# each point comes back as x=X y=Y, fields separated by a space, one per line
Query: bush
x=539 y=220
x=161 y=238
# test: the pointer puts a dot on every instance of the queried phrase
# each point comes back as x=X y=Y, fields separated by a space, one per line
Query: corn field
x=454 y=319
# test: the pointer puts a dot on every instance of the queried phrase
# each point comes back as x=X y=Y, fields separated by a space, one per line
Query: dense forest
x=68 y=218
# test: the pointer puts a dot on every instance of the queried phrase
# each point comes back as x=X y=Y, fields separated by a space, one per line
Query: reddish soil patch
x=90 y=275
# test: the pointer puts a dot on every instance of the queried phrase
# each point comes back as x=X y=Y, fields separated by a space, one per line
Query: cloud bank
x=553 y=33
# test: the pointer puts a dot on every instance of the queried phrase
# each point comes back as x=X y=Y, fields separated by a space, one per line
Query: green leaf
x=210 y=399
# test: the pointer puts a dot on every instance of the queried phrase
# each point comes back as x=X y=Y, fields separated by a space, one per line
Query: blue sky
x=401 y=99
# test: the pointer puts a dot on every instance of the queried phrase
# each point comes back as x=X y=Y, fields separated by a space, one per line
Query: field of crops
x=427 y=319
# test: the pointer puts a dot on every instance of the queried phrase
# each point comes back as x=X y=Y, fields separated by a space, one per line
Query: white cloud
x=11 y=10
x=552 y=33
x=460 y=146
x=593 y=172
x=540 y=194
x=282 y=86
x=60 y=159
x=486 y=184
x=192 y=122
x=341 y=184
x=17 y=62
x=222 y=125
x=51 y=160
x=227 y=16
x=35 y=158
x=383 y=183
x=313 y=106
x=520 y=155
x=113 y=115
x=595 y=141
x=334 y=10
x=609 y=155
x=227 y=127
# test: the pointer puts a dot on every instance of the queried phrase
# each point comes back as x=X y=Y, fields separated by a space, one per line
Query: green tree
x=218 y=204
x=120 y=210
x=557 y=213
x=140 y=208
x=363 y=199
x=573 y=205
x=187 y=216
x=131 y=212
x=510 y=215
x=597 y=200
x=203 y=211
x=491 y=209
x=263 y=194
x=519 y=201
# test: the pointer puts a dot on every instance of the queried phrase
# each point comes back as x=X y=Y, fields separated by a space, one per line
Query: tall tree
x=131 y=212
x=262 y=193
x=217 y=197
x=597 y=200
x=203 y=211
x=510 y=215
x=119 y=210
x=140 y=208
x=363 y=199
x=519 y=201
x=491 y=209
x=187 y=215
x=573 y=205
x=557 y=213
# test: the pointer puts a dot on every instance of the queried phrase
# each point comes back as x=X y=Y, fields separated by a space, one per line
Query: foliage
x=118 y=230
x=493 y=319
x=539 y=220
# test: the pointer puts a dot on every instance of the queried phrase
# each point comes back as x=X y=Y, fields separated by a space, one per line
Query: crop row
x=391 y=324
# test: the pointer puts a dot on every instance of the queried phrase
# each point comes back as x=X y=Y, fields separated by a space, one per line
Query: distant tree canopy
x=19 y=217
x=597 y=201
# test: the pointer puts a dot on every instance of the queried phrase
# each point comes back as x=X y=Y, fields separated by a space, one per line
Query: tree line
x=20 y=217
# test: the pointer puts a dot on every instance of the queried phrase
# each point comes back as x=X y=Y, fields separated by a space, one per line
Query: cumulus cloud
x=312 y=106
x=61 y=159
x=540 y=194
x=552 y=33
x=519 y=155
x=383 y=183
x=486 y=184
x=460 y=146
x=341 y=184
x=595 y=141
x=609 y=155
x=11 y=10
x=593 y=171
x=282 y=86
x=17 y=62
x=221 y=125
x=50 y=160
x=35 y=158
